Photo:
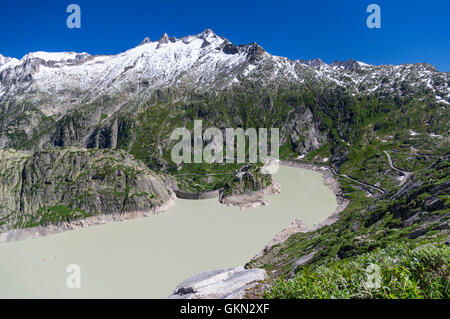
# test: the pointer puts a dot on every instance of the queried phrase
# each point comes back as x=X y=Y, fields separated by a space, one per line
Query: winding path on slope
x=379 y=189
x=333 y=170
x=395 y=168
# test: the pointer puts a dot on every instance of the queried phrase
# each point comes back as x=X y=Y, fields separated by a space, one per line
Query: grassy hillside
x=396 y=272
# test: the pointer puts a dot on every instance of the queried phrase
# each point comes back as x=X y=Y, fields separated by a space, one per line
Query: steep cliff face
x=61 y=185
x=304 y=132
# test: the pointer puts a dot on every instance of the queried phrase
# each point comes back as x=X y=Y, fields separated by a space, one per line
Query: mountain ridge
x=368 y=124
x=51 y=85
x=186 y=54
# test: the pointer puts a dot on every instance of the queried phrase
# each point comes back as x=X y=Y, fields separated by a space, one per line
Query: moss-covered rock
x=64 y=184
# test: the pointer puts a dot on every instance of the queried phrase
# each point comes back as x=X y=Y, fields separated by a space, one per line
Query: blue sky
x=411 y=31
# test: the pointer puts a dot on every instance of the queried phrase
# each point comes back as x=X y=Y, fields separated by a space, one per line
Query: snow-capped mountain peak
x=314 y=62
x=200 y=62
x=192 y=60
x=54 y=56
x=164 y=39
x=145 y=41
x=207 y=33
x=7 y=62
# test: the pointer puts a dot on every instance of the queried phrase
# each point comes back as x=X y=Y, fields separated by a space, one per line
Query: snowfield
x=201 y=62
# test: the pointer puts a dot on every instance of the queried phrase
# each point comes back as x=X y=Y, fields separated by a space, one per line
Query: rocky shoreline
x=230 y=283
x=42 y=231
x=298 y=226
x=235 y=283
x=331 y=182
x=251 y=199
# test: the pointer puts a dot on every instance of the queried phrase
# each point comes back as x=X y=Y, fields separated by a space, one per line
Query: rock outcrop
x=248 y=188
x=219 y=284
x=252 y=199
x=57 y=186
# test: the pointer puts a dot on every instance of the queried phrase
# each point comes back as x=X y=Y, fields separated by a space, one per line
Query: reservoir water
x=148 y=257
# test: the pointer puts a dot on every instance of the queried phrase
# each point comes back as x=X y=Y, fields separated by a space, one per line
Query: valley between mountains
x=84 y=136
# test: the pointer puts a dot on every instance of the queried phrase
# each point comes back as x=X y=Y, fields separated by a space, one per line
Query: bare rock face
x=252 y=199
x=305 y=132
x=219 y=284
x=248 y=188
x=58 y=186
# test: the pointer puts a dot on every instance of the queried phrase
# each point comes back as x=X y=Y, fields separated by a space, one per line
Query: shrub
x=404 y=272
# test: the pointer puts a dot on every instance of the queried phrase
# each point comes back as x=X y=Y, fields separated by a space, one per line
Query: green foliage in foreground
x=406 y=273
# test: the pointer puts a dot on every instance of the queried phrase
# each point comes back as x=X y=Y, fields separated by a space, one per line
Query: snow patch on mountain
x=200 y=62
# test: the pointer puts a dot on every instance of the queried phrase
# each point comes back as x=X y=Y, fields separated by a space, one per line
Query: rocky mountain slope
x=77 y=99
x=62 y=185
x=200 y=63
